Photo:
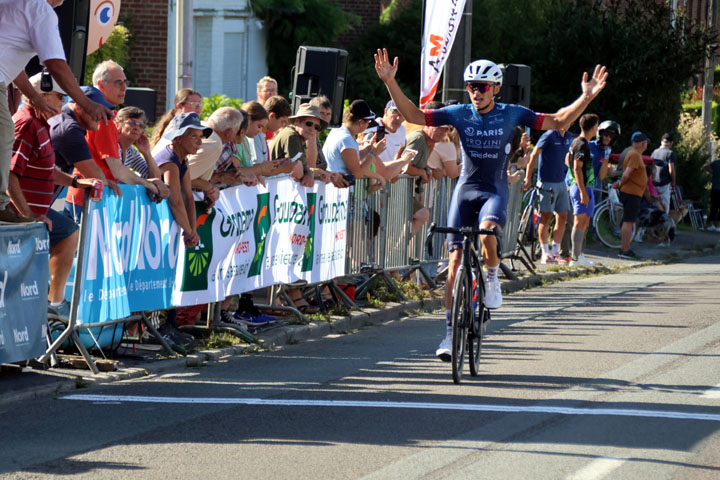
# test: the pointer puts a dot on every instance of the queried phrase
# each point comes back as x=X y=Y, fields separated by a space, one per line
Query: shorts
x=578 y=207
x=558 y=201
x=631 y=206
x=62 y=227
x=470 y=207
x=73 y=212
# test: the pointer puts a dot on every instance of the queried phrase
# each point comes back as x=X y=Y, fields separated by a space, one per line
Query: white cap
x=35 y=82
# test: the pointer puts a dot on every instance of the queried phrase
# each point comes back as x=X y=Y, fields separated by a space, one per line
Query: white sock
x=555 y=249
x=491 y=273
x=55 y=304
x=545 y=248
x=448 y=320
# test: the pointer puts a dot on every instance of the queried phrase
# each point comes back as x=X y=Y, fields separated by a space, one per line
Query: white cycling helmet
x=483 y=71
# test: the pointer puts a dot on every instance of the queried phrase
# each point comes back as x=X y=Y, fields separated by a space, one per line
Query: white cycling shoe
x=493 y=293
x=443 y=351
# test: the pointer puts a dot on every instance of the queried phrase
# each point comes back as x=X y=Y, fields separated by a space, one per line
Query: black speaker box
x=320 y=71
x=516 y=84
x=143 y=98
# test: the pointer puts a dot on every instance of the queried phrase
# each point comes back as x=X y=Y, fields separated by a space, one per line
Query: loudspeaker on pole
x=320 y=71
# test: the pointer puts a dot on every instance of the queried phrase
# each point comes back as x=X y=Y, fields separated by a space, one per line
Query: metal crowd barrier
x=72 y=328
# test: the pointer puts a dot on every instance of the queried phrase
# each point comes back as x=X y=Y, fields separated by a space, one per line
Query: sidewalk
x=18 y=384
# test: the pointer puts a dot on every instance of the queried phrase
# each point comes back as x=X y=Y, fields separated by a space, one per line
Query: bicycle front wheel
x=607 y=222
x=477 y=329
x=461 y=311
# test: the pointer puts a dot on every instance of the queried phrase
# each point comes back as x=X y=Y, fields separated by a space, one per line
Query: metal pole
x=453 y=86
x=186 y=80
x=709 y=68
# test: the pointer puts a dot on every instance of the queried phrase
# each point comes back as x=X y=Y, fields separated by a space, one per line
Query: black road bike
x=470 y=317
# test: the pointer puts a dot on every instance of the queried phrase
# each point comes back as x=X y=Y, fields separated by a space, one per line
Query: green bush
x=692 y=152
x=116 y=47
x=213 y=102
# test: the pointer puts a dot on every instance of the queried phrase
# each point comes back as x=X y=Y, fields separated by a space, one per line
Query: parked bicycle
x=469 y=314
x=607 y=220
x=528 y=239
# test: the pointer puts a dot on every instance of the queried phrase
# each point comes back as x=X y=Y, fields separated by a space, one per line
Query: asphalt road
x=604 y=377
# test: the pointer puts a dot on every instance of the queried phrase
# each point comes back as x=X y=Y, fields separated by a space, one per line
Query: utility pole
x=453 y=87
x=711 y=16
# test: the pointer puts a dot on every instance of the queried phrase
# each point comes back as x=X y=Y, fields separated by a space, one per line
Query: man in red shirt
x=33 y=176
x=110 y=79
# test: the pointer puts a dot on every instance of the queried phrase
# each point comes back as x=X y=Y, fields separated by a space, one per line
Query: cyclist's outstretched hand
x=385 y=70
x=594 y=86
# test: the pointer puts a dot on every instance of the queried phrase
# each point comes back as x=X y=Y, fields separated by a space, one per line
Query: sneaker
x=711 y=228
x=493 y=293
x=443 y=351
x=169 y=332
x=548 y=259
x=563 y=260
x=61 y=311
x=254 y=321
x=582 y=262
x=226 y=316
x=629 y=255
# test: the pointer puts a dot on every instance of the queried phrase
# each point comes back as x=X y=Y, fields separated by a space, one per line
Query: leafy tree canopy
x=650 y=55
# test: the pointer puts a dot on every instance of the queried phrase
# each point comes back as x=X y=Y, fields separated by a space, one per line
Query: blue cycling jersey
x=486 y=140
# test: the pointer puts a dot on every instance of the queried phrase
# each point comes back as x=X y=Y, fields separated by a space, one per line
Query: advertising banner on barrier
x=135 y=258
x=131 y=254
x=24 y=251
x=257 y=237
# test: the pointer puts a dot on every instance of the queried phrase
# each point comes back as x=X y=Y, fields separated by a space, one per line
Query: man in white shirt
x=390 y=127
x=28 y=28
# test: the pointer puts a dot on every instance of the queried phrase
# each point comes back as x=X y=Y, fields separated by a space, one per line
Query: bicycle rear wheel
x=607 y=222
x=476 y=330
x=461 y=310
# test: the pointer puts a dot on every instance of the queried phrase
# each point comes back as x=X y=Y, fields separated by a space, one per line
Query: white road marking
x=713 y=392
x=597 y=469
x=469 y=407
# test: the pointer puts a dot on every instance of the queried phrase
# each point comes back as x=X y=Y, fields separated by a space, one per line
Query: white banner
x=258 y=237
x=442 y=18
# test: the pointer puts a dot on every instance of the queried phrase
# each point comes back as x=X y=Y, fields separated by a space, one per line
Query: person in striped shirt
x=33 y=176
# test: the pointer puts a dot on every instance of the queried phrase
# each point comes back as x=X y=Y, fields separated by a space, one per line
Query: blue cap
x=182 y=122
x=638 y=137
x=96 y=96
x=390 y=105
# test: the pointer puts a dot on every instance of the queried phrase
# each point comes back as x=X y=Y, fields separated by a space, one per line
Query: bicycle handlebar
x=464 y=231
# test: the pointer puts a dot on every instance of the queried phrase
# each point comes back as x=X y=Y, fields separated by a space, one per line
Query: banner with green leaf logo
x=255 y=237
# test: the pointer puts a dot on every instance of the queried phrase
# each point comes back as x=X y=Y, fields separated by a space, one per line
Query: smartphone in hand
x=349 y=178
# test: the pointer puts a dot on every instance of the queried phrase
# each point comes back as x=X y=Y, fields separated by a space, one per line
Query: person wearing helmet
x=601 y=147
x=485 y=130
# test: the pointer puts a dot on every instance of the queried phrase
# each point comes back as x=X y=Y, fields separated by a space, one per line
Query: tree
x=648 y=58
x=292 y=23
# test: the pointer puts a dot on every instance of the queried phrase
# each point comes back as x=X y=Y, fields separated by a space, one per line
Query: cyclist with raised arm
x=485 y=130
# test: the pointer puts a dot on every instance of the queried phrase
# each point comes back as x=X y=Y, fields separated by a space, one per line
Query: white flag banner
x=442 y=19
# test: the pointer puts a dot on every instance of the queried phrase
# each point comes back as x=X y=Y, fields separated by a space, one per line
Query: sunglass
x=194 y=104
x=479 y=87
x=605 y=134
x=121 y=83
x=133 y=123
x=59 y=95
x=313 y=124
